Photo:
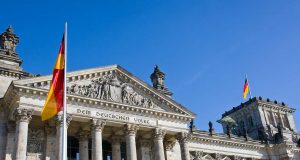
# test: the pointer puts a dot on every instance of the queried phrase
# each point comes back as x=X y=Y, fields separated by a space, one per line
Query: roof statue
x=158 y=78
x=9 y=41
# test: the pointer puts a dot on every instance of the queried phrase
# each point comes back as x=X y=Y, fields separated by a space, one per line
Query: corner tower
x=261 y=119
x=10 y=63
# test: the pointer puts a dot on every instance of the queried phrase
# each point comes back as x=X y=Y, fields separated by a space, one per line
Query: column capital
x=116 y=140
x=49 y=130
x=23 y=114
x=183 y=137
x=131 y=129
x=83 y=135
x=59 y=119
x=98 y=124
x=170 y=145
x=158 y=133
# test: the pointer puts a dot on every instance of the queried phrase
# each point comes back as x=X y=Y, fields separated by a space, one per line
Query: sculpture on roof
x=9 y=40
x=158 y=78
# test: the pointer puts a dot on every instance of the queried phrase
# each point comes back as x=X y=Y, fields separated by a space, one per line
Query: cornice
x=275 y=107
x=225 y=141
x=13 y=73
x=112 y=105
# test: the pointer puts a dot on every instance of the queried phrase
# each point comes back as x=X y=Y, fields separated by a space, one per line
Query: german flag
x=54 y=101
x=246 y=89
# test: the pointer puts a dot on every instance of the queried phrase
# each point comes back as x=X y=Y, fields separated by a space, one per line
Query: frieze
x=113 y=116
x=110 y=88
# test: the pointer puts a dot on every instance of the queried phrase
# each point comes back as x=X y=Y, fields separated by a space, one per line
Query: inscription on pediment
x=110 y=88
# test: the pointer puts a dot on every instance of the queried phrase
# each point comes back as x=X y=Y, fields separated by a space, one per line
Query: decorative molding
x=59 y=119
x=23 y=114
x=108 y=104
x=131 y=129
x=98 y=125
x=83 y=135
x=169 y=145
x=184 y=137
x=158 y=133
x=110 y=88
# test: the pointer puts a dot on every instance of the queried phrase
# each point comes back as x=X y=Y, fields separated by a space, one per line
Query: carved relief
x=35 y=141
x=110 y=88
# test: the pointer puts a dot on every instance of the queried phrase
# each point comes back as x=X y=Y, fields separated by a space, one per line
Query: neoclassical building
x=113 y=115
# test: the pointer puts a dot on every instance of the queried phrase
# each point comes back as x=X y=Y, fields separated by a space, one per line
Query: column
x=3 y=133
x=97 y=127
x=158 y=136
x=169 y=145
x=130 y=131
x=59 y=138
x=23 y=117
x=10 y=147
x=144 y=149
x=116 y=148
x=183 y=139
x=50 y=142
x=83 y=138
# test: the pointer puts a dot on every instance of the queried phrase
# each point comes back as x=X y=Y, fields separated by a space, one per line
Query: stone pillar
x=3 y=133
x=59 y=138
x=144 y=149
x=158 y=137
x=183 y=139
x=50 y=142
x=169 y=150
x=83 y=138
x=116 y=148
x=23 y=117
x=97 y=127
x=131 y=130
x=10 y=147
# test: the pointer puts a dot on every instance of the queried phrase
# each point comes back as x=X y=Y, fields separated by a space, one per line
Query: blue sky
x=205 y=47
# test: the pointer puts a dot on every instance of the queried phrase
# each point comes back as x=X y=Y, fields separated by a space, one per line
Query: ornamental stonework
x=98 y=125
x=110 y=88
x=23 y=114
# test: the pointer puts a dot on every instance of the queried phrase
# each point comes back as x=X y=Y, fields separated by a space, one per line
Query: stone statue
x=211 y=129
x=8 y=40
x=245 y=133
x=192 y=126
x=158 y=78
x=108 y=87
x=279 y=128
x=228 y=132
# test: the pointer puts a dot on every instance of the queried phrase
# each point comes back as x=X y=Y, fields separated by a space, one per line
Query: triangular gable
x=111 y=83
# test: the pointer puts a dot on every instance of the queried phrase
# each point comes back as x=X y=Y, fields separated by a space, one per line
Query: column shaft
x=183 y=141
x=116 y=149
x=23 y=117
x=84 y=149
x=158 y=136
x=130 y=141
x=59 y=131
x=97 y=127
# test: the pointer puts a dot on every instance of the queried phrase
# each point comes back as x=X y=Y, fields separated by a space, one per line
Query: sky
x=204 y=47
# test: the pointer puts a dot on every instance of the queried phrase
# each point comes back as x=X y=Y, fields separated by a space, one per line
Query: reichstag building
x=114 y=115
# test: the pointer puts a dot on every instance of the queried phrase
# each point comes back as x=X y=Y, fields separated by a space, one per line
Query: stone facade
x=114 y=115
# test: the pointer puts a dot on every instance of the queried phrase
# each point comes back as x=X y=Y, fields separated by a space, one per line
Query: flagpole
x=249 y=87
x=64 y=155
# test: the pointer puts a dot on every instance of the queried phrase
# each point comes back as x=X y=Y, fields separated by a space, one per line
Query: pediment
x=111 y=84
